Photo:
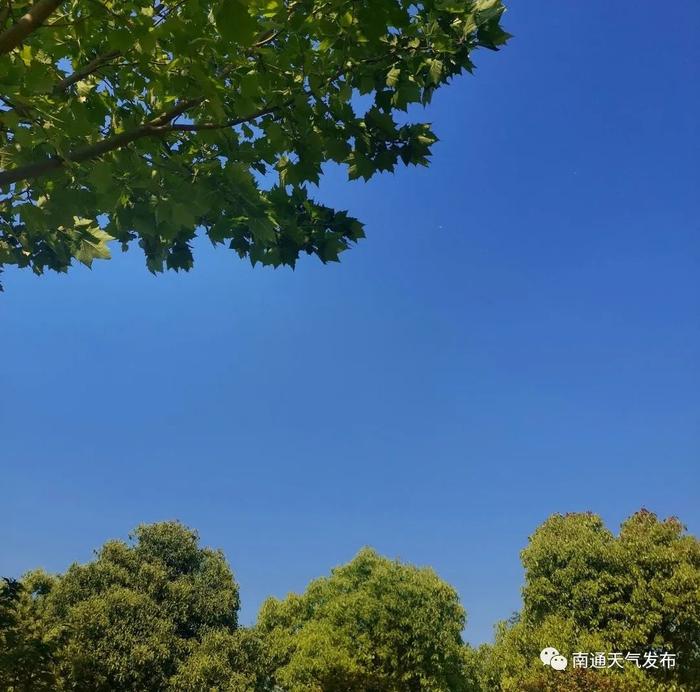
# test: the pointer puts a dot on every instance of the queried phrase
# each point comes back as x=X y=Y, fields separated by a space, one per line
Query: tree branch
x=269 y=37
x=198 y=127
x=27 y=24
x=87 y=70
x=103 y=59
x=91 y=151
x=157 y=127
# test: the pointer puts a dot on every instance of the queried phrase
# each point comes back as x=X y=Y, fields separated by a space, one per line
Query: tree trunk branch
x=154 y=128
x=198 y=127
x=30 y=22
x=87 y=70
x=91 y=151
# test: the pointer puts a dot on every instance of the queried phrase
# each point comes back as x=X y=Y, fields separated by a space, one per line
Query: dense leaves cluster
x=159 y=614
x=140 y=120
x=26 y=660
x=589 y=590
x=374 y=624
x=131 y=618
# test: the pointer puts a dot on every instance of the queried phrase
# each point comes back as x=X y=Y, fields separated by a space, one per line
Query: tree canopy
x=160 y=614
x=26 y=660
x=130 y=618
x=373 y=625
x=588 y=590
x=145 y=121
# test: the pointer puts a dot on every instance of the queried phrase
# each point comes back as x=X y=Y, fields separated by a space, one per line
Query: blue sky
x=518 y=336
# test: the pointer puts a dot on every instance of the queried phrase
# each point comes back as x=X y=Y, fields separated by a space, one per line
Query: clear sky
x=519 y=335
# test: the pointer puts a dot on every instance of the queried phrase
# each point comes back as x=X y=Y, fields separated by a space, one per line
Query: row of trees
x=160 y=613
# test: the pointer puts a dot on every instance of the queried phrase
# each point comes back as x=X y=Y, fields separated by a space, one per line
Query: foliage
x=144 y=121
x=26 y=661
x=233 y=661
x=128 y=619
x=586 y=590
x=373 y=625
x=159 y=614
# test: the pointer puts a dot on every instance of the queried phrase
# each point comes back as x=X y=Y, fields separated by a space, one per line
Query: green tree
x=129 y=619
x=26 y=656
x=144 y=121
x=588 y=590
x=373 y=625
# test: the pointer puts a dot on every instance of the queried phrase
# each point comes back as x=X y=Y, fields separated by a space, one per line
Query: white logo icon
x=551 y=657
x=559 y=662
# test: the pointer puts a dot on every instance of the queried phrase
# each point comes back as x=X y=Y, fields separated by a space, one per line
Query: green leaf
x=92 y=244
x=182 y=215
x=392 y=77
x=263 y=230
x=235 y=23
x=435 y=70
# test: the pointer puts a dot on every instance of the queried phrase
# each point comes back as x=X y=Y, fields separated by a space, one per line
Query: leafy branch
x=280 y=76
x=156 y=127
